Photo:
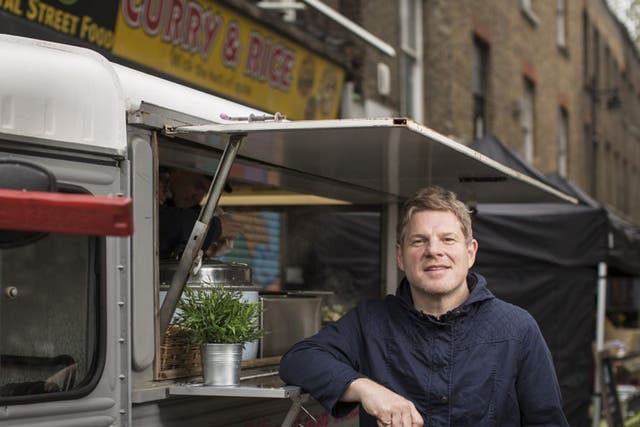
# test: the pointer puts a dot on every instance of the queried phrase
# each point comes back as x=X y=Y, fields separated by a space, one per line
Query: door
x=63 y=316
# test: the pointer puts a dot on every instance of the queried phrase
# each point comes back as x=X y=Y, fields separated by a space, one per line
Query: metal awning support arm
x=294 y=410
x=199 y=231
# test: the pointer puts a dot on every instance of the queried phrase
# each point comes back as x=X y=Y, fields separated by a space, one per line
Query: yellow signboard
x=211 y=46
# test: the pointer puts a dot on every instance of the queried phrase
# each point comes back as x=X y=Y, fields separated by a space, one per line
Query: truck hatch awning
x=375 y=160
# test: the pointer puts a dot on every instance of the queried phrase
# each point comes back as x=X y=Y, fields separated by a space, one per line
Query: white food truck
x=82 y=141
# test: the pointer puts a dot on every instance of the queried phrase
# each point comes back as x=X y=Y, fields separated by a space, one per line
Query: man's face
x=435 y=255
x=188 y=188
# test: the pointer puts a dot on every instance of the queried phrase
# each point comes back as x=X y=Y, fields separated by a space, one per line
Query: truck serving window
x=49 y=317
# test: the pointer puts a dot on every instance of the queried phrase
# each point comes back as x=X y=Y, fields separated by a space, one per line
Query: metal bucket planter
x=221 y=364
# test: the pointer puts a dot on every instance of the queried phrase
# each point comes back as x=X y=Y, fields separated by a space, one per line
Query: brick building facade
x=556 y=81
x=611 y=108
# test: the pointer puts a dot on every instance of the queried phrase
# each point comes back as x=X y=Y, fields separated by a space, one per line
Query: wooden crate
x=178 y=357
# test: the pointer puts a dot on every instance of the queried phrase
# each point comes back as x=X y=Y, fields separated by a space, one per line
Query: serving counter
x=256 y=385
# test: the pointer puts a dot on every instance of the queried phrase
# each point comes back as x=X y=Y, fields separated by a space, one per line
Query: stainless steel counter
x=284 y=392
x=261 y=383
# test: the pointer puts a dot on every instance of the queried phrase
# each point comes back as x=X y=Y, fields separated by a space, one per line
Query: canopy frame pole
x=600 y=319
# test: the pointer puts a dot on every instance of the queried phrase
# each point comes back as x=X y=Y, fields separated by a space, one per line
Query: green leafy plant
x=214 y=314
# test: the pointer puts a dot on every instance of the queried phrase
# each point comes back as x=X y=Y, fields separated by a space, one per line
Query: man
x=442 y=351
x=180 y=195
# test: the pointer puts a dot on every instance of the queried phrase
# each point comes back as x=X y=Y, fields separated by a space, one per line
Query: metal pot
x=211 y=272
x=288 y=317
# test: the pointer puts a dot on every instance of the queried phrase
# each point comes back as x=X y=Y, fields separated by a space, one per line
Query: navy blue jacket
x=483 y=364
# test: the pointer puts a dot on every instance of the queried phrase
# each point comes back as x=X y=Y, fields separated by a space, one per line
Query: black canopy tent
x=544 y=257
x=623 y=255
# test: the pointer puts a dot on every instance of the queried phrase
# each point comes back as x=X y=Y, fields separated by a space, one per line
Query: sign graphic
x=199 y=42
x=207 y=44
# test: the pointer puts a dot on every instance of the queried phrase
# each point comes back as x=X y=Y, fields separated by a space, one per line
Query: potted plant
x=217 y=319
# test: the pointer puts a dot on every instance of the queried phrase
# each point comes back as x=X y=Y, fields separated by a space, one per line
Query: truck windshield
x=48 y=316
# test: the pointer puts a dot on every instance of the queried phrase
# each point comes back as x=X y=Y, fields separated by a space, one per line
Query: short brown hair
x=434 y=198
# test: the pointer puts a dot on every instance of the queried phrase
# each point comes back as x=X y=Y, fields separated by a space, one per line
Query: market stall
x=551 y=259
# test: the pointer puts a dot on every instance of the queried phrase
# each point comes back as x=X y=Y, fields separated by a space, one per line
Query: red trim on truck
x=66 y=213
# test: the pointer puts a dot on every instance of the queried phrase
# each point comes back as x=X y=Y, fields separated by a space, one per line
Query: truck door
x=63 y=360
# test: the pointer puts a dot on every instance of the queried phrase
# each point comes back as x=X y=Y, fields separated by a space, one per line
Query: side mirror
x=23 y=176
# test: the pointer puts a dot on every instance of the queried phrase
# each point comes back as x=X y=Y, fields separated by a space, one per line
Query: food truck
x=82 y=141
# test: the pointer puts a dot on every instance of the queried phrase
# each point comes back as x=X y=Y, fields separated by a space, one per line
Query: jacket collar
x=477 y=292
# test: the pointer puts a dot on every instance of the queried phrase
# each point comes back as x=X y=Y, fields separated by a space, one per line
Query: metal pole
x=294 y=410
x=199 y=232
x=356 y=29
x=600 y=318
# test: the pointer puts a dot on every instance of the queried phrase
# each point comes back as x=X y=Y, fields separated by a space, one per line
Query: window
x=624 y=188
x=585 y=47
x=563 y=138
x=561 y=23
x=607 y=67
x=595 y=70
x=618 y=185
x=633 y=191
x=479 y=87
x=528 y=119
x=411 y=58
x=589 y=165
x=607 y=172
x=49 y=319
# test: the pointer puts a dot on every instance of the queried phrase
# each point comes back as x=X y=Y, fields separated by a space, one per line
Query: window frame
x=97 y=365
x=528 y=120
x=563 y=141
x=97 y=265
x=480 y=80
x=410 y=60
x=561 y=24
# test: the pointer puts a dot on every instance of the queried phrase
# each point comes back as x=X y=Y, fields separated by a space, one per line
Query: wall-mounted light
x=280 y=5
x=289 y=7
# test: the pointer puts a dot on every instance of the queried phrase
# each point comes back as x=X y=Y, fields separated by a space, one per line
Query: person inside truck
x=180 y=195
x=443 y=350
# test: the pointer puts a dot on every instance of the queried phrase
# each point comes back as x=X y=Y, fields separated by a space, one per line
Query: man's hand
x=389 y=408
